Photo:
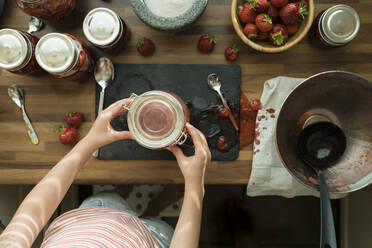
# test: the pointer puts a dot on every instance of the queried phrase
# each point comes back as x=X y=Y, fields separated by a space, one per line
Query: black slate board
x=188 y=81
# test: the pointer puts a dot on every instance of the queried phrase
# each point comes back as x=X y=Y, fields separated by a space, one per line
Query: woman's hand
x=102 y=132
x=193 y=167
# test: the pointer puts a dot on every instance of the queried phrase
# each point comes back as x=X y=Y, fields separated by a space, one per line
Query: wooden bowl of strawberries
x=272 y=26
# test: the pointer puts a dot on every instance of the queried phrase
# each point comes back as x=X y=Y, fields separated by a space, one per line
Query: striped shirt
x=98 y=227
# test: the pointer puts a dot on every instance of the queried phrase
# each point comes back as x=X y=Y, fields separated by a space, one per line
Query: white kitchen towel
x=269 y=176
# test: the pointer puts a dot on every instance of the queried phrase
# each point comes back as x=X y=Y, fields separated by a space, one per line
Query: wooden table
x=47 y=98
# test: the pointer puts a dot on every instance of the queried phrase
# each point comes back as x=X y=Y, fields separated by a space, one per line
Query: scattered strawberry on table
x=231 y=53
x=145 y=46
x=272 y=20
x=73 y=119
x=67 y=135
x=206 y=43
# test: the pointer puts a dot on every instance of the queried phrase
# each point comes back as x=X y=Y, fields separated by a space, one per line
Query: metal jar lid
x=56 y=53
x=156 y=120
x=102 y=26
x=340 y=24
x=14 y=49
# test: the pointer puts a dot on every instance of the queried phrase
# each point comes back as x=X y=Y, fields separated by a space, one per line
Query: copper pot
x=345 y=99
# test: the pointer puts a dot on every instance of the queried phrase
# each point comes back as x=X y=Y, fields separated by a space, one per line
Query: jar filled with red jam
x=335 y=26
x=105 y=30
x=47 y=9
x=17 y=51
x=156 y=119
x=63 y=56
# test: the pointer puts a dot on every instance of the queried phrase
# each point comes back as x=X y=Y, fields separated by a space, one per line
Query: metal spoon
x=104 y=74
x=16 y=94
x=214 y=83
x=34 y=25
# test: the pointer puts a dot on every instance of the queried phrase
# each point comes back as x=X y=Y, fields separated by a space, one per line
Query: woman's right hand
x=193 y=167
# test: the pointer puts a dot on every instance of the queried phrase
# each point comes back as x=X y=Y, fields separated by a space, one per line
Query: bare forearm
x=187 y=230
x=42 y=201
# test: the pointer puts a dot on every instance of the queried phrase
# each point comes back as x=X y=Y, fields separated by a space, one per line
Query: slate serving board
x=189 y=81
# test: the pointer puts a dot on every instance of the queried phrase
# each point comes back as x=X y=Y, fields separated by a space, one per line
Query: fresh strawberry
x=264 y=23
x=273 y=12
x=145 y=47
x=279 y=35
x=290 y=13
x=292 y=29
x=74 y=119
x=279 y=3
x=260 y=6
x=246 y=13
x=303 y=2
x=262 y=35
x=206 y=43
x=231 y=54
x=250 y=30
x=67 y=135
x=256 y=104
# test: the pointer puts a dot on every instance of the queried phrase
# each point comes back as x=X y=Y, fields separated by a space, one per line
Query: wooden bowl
x=265 y=46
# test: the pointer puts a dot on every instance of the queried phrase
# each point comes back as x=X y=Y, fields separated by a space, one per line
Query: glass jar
x=63 y=56
x=47 y=9
x=156 y=119
x=335 y=26
x=105 y=30
x=17 y=51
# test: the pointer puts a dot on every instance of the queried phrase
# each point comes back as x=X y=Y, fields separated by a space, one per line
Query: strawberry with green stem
x=231 y=53
x=206 y=43
x=251 y=31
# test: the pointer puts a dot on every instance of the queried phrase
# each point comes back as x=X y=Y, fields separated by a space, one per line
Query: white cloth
x=269 y=176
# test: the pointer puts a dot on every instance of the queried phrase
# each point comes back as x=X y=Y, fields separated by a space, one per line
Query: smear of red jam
x=248 y=116
x=270 y=110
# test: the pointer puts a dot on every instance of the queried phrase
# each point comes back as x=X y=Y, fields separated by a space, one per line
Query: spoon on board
x=17 y=95
x=34 y=25
x=320 y=145
x=214 y=83
x=104 y=74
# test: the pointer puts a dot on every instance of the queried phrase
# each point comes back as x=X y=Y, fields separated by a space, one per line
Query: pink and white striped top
x=98 y=227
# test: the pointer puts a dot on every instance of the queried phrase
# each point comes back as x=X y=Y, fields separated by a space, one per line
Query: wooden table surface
x=47 y=98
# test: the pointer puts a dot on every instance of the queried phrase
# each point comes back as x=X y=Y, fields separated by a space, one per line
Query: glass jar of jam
x=47 y=9
x=156 y=119
x=335 y=26
x=105 y=30
x=63 y=56
x=17 y=51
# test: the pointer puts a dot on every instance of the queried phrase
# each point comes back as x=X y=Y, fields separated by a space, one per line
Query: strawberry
x=279 y=3
x=273 y=12
x=290 y=13
x=303 y=2
x=231 y=54
x=145 y=47
x=292 y=29
x=250 y=30
x=73 y=119
x=67 y=135
x=262 y=35
x=206 y=43
x=260 y=6
x=264 y=23
x=279 y=35
x=246 y=13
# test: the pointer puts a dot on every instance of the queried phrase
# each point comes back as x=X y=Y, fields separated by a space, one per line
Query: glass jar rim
x=133 y=124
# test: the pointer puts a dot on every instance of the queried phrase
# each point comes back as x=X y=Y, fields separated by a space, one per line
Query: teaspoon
x=16 y=94
x=34 y=25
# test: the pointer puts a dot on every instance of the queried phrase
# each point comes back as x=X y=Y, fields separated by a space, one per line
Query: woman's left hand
x=102 y=132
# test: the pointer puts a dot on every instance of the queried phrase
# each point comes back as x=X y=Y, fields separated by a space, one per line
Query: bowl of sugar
x=169 y=15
